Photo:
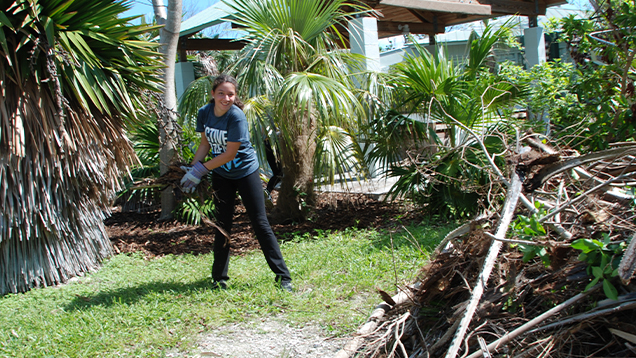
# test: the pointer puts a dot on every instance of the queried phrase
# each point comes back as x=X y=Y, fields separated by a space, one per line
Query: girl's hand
x=193 y=177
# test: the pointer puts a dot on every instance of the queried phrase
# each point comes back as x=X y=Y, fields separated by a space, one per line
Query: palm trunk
x=168 y=136
x=296 y=196
x=58 y=185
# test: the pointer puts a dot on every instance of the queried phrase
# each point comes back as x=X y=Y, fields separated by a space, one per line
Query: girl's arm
x=204 y=149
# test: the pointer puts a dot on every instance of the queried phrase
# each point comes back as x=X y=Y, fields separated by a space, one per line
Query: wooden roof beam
x=512 y=7
x=441 y=6
x=209 y=44
x=424 y=16
x=414 y=28
x=461 y=19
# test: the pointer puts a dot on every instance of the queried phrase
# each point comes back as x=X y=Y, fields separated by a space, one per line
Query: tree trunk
x=168 y=136
x=296 y=196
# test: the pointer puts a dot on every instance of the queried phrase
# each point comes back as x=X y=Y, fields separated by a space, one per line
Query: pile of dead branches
x=145 y=195
x=478 y=297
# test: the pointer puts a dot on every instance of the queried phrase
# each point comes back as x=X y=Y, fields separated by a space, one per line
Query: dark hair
x=223 y=78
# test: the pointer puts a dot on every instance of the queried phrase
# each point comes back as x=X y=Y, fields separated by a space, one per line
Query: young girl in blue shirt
x=234 y=165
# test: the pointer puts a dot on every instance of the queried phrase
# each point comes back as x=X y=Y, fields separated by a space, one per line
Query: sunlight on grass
x=137 y=306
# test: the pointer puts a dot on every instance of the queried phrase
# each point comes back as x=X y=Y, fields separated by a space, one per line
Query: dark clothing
x=274 y=164
x=240 y=174
x=251 y=190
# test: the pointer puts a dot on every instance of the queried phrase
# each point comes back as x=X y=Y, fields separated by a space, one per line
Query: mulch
x=144 y=232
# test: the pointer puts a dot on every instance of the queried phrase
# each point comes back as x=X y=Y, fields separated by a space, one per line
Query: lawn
x=136 y=305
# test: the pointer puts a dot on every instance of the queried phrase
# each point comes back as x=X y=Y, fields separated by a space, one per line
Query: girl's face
x=224 y=96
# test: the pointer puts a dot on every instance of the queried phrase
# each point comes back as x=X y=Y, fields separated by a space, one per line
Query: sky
x=189 y=7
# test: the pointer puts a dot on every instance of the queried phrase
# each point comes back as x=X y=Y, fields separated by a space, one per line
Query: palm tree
x=73 y=74
x=294 y=63
x=449 y=176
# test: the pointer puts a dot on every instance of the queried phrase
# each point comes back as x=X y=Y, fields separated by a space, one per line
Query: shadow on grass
x=131 y=295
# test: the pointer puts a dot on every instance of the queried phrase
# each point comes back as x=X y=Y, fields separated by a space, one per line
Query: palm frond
x=259 y=117
x=310 y=93
x=339 y=154
x=196 y=95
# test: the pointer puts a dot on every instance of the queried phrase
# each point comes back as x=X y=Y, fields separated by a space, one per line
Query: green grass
x=138 y=306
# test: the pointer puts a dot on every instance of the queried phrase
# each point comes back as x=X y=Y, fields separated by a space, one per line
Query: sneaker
x=286 y=286
x=219 y=285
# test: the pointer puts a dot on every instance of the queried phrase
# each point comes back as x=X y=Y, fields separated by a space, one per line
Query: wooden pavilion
x=396 y=17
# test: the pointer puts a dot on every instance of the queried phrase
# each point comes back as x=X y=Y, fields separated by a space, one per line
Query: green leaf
x=606 y=239
x=614 y=273
x=604 y=260
x=528 y=253
x=610 y=290
x=592 y=284
x=585 y=245
x=597 y=271
x=4 y=20
x=48 y=26
x=3 y=41
x=61 y=8
x=537 y=227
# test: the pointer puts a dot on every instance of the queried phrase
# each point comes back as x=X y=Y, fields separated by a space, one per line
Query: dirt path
x=269 y=338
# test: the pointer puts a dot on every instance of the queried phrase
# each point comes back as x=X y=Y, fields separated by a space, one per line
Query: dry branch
x=537 y=320
x=554 y=169
x=527 y=242
x=627 y=336
x=578 y=170
x=589 y=315
x=372 y=323
x=627 y=266
x=460 y=231
x=506 y=217
x=583 y=196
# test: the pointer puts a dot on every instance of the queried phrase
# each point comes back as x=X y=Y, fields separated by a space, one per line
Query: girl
x=224 y=131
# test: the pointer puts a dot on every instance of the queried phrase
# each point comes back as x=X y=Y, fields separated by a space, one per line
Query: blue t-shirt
x=230 y=127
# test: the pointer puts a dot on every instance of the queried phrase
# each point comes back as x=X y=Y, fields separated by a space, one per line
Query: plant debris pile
x=559 y=287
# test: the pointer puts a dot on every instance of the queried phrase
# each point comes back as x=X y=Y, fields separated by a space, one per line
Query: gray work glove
x=193 y=177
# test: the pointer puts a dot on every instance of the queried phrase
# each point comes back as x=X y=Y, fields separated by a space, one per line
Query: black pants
x=274 y=164
x=251 y=190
